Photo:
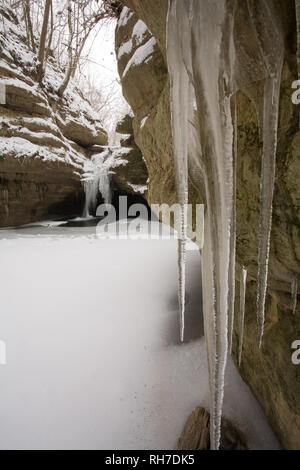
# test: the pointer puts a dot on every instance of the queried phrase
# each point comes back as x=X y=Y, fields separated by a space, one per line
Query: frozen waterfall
x=95 y=179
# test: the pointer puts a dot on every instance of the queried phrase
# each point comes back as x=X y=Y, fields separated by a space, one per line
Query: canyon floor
x=93 y=357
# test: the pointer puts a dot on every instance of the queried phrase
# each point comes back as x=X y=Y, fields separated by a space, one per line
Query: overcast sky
x=102 y=66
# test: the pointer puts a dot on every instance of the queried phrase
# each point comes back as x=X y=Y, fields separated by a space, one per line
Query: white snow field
x=92 y=342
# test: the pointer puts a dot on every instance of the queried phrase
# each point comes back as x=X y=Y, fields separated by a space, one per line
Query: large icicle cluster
x=209 y=60
x=231 y=287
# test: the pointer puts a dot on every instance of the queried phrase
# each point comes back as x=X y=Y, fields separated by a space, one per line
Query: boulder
x=124 y=126
x=83 y=133
x=127 y=141
x=195 y=435
x=132 y=176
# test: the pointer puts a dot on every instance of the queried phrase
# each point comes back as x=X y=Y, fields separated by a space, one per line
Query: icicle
x=272 y=53
x=272 y=88
x=297 y=6
x=243 y=279
x=211 y=34
x=231 y=291
x=180 y=102
x=181 y=271
x=294 y=292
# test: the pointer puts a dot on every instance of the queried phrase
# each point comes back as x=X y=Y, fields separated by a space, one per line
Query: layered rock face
x=131 y=177
x=44 y=140
x=141 y=53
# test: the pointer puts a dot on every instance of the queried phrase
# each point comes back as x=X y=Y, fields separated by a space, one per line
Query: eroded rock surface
x=132 y=177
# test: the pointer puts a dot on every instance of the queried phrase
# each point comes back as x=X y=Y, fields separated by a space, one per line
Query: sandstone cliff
x=141 y=53
x=44 y=140
x=131 y=178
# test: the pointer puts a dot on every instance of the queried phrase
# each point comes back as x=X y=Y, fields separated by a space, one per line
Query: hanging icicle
x=243 y=279
x=272 y=53
x=180 y=103
x=272 y=89
x=231 y=290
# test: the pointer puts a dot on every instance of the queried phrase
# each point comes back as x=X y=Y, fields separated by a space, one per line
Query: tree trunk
x=51 y=32
x=41 y=54
x=66 y=80
x=27 y=15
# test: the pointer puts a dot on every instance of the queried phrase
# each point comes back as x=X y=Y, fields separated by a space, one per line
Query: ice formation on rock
x=180 y=102
x=209 y=60
x=91 y=190
x=243 y=280
x=96 y=179
x=231 y=289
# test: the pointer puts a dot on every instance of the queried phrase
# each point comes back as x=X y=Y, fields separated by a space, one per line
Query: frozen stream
x=93 y=357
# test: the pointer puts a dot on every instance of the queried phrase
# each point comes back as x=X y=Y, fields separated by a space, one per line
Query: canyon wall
x=141 y=53
x=44 y=139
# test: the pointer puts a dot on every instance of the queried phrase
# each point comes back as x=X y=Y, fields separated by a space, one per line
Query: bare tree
x=66 y=80
x=42 y=47
x=28 y=23
x=51 y=31
x=61 y=28
x=83 y=16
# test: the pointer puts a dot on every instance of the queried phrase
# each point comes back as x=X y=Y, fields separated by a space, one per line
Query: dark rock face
x=270 y=373
x=195 y=435
x=131 y=177
x=33 y=190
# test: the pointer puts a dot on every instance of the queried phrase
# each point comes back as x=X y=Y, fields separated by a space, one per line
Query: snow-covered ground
x=93 y=357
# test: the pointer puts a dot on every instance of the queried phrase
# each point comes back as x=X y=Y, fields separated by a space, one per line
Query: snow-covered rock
x=44 y=139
